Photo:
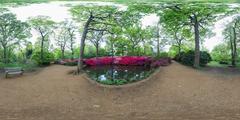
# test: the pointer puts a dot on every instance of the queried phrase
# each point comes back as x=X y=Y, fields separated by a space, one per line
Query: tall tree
x=12 y=31
x=62 y=38
x=71 y=29
x=231 y=33
x=198 y=16
x=44 y=26
x=96 y=37
x=97 y=18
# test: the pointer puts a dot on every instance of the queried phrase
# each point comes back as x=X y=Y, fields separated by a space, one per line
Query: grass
x=122 y=1
x=216 y=64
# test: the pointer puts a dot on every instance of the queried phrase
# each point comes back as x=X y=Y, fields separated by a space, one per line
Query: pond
x=118 y=75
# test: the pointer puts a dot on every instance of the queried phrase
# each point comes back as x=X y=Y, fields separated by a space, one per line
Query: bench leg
x=6 y=75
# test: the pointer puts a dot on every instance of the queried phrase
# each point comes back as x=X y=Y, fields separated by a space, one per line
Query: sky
x=58 y=12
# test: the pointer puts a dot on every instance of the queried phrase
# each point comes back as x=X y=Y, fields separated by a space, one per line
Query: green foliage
x=187 y=58
x=163 y=55
x=114 y=82
x=71 y=64
x=128 y=1
x=48 y=57
x=13 y=32
x=221 y=52
x=29 y=66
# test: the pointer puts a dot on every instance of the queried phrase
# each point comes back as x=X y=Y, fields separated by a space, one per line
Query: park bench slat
x=13 y=71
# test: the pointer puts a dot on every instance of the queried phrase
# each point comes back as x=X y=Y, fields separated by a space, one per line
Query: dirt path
x=176 y=93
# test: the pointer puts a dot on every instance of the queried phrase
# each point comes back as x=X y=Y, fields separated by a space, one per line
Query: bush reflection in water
x=118 y=75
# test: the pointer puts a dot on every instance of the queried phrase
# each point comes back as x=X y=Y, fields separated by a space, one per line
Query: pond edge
x=85 y=76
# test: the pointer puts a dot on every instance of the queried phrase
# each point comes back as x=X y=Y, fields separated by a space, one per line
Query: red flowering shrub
x=125 y=60
x=67 y=61
x=161 y=62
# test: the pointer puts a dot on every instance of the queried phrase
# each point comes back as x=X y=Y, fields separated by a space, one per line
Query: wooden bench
x=13 y=71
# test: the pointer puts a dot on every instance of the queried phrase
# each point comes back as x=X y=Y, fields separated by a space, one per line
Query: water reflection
x=118 y=75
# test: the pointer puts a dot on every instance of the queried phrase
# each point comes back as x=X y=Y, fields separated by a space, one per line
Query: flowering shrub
x=67 y=62
x=125 y=60
x=161 y=62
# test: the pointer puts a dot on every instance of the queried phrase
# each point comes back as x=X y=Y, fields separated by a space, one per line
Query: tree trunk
x=42 y=43
x=234 y=48
x=72 y=50
x=179 y=51
x=122 y=51
x=5 y=54
x=82 y=44
x=97 y=50
x=72 y=56
x=158 y=41
x=158 y=47
x=63 y=56
x=197 y=41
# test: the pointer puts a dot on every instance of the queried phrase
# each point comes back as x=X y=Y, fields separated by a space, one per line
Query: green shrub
x=48 y=57
x=71 y=63
x=28 y=66
x=187 y=58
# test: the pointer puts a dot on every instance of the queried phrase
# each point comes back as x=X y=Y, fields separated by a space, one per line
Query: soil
x=177 y=93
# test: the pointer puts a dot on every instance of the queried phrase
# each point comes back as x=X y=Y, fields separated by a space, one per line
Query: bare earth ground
x=176 y=93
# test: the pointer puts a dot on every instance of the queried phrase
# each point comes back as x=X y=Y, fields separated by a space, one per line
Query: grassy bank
x=216 y=64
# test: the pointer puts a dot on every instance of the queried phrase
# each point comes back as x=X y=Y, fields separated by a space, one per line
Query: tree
x=65 y=36
x=231 y=32
x=12 y=32
x=70 y=32
x=43 y=25
x=134 y=35
x=121 y=45
x=198 y=16
x=98 y=18
x=96 y=37
x=62 y=38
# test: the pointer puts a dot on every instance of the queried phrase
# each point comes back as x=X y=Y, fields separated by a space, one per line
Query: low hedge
x=187 y=58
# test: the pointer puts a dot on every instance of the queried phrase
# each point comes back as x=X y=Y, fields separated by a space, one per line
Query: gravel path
x=176 y=93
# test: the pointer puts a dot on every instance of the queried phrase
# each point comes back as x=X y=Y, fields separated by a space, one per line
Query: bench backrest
x=13 y=69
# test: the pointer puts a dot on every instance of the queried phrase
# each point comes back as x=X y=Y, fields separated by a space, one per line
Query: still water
x=118 y=75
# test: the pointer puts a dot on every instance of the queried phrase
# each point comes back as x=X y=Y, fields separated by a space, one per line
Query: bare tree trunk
x=82 y=44
x=234 y=48
x=158 y=48
x=72 y=56
x=122 y=51
x=72 y=50
x=179 y=51
x=97 y=50
x=42 y=43
x=197 y=41
x=63 y=56
x=158 y=42
x=5 y=54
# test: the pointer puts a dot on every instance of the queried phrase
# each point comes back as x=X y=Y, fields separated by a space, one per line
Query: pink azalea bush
x=161 y=62
x=128 y=60
x=121 y=60
x=124 y=60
